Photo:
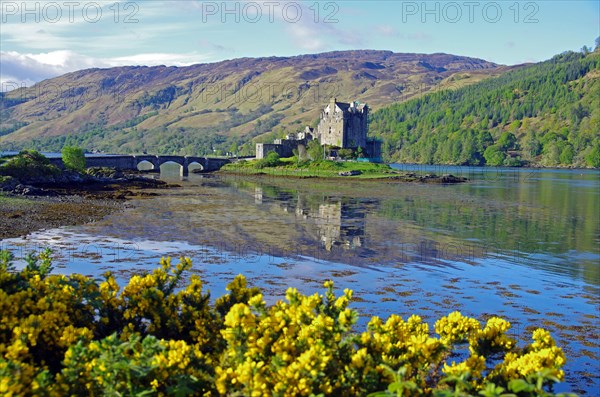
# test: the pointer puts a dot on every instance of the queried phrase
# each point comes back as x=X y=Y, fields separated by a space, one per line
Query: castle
x=342 y=126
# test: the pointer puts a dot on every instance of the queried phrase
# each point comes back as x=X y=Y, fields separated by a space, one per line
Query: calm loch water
x=522 y=244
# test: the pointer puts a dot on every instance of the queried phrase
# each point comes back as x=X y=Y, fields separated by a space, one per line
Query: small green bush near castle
x=270 y=160
x=161 y=335
x=73 y=158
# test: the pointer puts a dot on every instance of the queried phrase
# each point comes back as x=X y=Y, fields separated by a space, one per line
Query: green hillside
x=546 y=114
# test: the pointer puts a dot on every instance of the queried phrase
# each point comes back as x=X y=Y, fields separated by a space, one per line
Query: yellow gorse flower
x=76 y=336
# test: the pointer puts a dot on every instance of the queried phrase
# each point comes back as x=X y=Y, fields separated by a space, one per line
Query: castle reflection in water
x=339 y=222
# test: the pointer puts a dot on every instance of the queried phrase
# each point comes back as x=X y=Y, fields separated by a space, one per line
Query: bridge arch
x=143 y=162
x=164 y=165
x=195 y=165
x=145 y=165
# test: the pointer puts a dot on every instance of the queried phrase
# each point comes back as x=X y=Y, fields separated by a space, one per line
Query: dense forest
x=545 y=114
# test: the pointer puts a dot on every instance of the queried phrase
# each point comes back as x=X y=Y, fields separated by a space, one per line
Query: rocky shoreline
x=391 y=177
x=22 y=216
x=429 y=178
x=68 y=198
x=96 y=182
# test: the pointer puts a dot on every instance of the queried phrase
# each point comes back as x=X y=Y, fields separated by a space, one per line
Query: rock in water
x=349 y=173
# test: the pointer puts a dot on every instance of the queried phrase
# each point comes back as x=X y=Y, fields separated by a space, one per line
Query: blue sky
x=42 y=39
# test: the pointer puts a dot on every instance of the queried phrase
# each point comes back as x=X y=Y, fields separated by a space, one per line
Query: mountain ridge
x=195 y=109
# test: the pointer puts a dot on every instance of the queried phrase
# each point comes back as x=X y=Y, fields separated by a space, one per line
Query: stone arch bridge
x=131 y=162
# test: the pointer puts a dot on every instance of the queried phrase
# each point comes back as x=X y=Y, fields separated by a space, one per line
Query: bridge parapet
x=131 y=162
x=215 y=163
x=176 y=159
x=146 y=157
x=124 y=162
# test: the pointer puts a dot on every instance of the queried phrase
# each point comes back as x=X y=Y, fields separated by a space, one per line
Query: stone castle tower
x=343 y=125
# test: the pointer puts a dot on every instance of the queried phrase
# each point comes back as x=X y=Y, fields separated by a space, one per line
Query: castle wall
x=331 y=129
x=262 y=149
x=343 y=125
x=373 y=149
x=356 y=132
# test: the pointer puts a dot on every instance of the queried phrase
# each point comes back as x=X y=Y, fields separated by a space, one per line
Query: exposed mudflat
x=21 y=216
x=66 y=203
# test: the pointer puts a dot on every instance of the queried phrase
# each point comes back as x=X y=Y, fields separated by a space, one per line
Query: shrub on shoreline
x=28 y=164
x=73 y=158
x=161 y=335
x=271 y=160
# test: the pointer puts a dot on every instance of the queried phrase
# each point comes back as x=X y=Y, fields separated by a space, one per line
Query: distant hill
x=219 y=106
x=544 y=114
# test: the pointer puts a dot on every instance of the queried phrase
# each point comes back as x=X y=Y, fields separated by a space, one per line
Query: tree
x=585 y=50
x=578 y=112
x=567 y=154
x=315 y=150
x=271 y=160
x=73 y=158
x=531 y=146
x=233 y=149
x=346 y=154
x=359 y=152
x=494 y=156
x=301 y=152
x=484 y=139
x=507 y=140
x=551 y=154
x=593 y=157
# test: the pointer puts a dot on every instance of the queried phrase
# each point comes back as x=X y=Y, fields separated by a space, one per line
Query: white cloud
x=44 y=50
x=159 y=59
x=27 y=35
x=23 y=69
x=306 y=38
x=123 y=27
x=9 y=83
x=318 y=36
x=387 y=30
x=422 y=36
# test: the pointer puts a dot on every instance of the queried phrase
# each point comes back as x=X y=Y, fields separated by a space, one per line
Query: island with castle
x=342 y=126
x=342 y=130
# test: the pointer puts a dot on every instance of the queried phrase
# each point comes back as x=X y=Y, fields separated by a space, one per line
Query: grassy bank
x=290 y=167
x=12 y=200
x=273 y=166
